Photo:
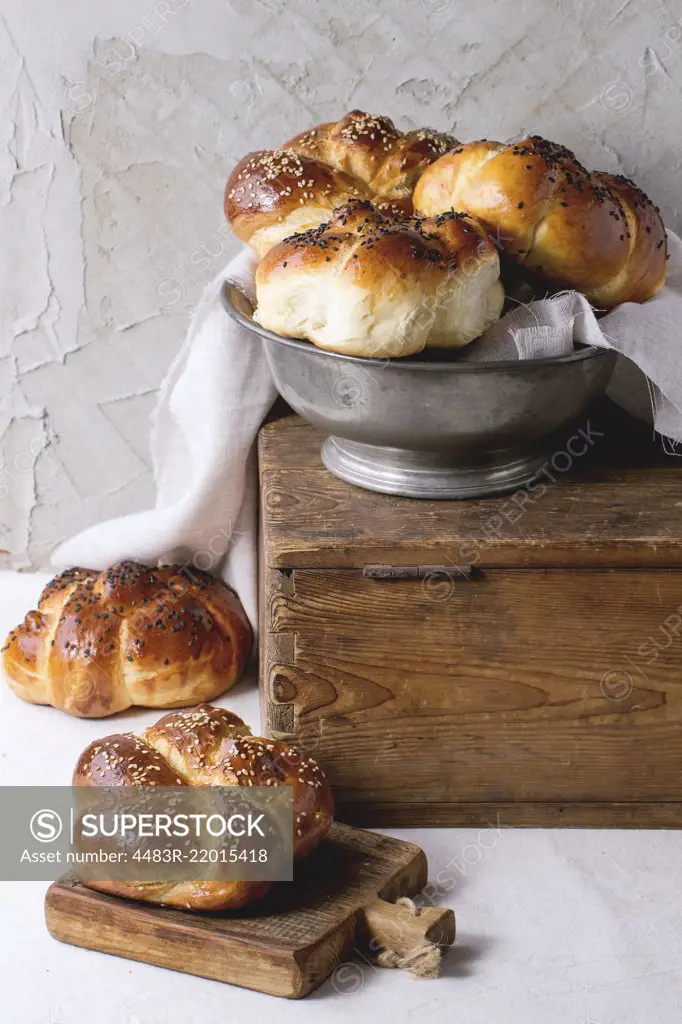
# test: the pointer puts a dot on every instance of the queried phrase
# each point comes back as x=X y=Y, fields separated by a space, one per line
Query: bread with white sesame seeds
x=273 y=193
x=208 y=746
x=366 y=284
x=100 y=642
x=564 y=226
x=371 y=149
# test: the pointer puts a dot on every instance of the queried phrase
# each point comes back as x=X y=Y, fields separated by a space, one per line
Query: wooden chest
x=516 y=660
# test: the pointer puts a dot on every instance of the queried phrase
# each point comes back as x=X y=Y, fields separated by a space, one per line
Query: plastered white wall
x=119 y=123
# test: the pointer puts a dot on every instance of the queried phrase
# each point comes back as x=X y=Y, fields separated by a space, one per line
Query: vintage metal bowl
x=430 y=426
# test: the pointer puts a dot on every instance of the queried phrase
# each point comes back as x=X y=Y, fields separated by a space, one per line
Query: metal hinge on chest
x=420 y=572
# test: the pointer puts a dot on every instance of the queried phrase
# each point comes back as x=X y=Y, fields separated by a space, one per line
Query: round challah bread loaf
x=274 y=193
x=595 y=232
x=208 y=746
x=366 y=284
x=102 y=641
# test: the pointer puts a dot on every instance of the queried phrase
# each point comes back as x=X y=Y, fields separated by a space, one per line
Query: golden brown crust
x=572 y=229
x=101 y=642
x=124 y=760
x=367 y=284
x=197 y=896
x=645 y=271
x=358 y=231
x=370 y=148
x=274 y=193
x=208 y=746
x=397 y=207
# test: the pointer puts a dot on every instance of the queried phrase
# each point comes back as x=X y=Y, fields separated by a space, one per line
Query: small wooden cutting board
x=342 y=898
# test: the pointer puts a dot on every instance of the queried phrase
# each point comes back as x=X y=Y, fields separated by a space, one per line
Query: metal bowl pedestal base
x=417 y=474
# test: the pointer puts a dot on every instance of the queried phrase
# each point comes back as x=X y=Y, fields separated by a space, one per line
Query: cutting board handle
x=404 y=927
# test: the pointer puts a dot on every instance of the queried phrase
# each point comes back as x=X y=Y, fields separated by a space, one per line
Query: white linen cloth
x=648 y=335
x=219 y=390
x=216 y=394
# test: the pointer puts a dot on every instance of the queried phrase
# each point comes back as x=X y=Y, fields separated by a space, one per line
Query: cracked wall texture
x=119 y=126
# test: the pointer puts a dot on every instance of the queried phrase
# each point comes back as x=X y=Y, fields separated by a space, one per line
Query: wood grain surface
x=506 y=688
x=599 y=510
x=288 y=943
x=544 y=689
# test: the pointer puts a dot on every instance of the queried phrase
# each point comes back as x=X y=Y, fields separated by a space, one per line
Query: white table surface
x=554 y=927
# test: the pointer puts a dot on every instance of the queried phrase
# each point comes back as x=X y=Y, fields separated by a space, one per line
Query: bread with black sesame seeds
x=366 y=284
x=568 y=227
x=100 y=642
x=208 y=746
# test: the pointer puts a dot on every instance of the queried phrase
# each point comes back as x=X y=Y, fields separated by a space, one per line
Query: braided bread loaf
x=597 y=233
x=100 y=642
x=208 y=746
x=365 y=284
x=273 y=193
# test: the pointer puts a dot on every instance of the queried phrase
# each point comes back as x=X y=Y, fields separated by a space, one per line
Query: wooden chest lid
x=619 y=504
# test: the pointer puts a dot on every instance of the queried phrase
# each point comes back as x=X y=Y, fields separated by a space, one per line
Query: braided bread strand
x=595 y=232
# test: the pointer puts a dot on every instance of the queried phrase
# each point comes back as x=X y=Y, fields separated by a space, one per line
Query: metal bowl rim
x=308 y=348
